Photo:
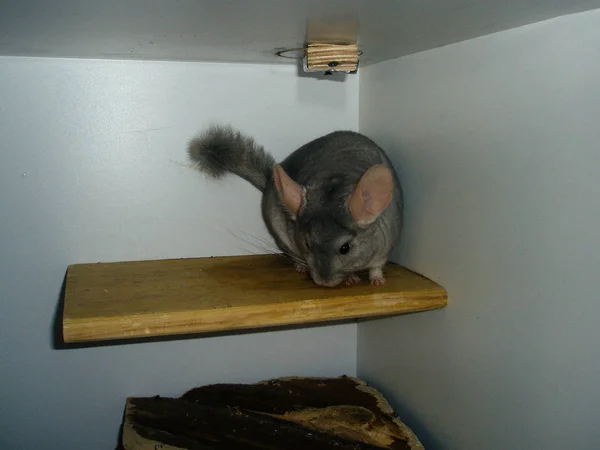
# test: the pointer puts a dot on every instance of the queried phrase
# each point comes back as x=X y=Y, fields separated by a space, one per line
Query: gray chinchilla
x=334 y=205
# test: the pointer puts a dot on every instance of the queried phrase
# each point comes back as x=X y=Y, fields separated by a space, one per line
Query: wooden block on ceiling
x=124 y=300
x=326 y=57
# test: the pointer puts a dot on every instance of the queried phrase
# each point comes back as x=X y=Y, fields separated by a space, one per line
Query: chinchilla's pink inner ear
x=371 y=195
x=290 y=192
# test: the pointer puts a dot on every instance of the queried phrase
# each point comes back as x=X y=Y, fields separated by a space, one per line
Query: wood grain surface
x=123 y=300
x=324 y=57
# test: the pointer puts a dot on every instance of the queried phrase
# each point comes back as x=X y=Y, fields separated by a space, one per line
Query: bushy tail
x=221 y=150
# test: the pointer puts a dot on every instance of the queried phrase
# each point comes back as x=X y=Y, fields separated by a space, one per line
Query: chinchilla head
x=340 y=227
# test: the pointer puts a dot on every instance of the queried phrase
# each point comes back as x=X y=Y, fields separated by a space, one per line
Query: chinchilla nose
x=332 y=283
x=325 y=282
x=323 y=269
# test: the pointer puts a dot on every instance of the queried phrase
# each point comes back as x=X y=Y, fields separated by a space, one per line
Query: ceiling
x=252 y=30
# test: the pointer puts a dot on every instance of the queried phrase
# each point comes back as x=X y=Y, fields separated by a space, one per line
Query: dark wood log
x=283 y=395
x=196 y=427
x=287 y=413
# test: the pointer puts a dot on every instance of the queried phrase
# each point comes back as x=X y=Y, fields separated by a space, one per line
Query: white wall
x=497 y=141
x=92 y=157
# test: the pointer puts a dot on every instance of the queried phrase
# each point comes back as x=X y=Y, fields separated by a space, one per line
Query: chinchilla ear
x=290 y=192
x=371 y=195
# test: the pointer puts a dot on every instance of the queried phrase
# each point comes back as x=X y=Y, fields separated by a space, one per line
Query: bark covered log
x=285 y=413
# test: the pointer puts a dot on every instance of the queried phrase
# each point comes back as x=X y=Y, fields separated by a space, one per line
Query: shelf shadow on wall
x=56 y=336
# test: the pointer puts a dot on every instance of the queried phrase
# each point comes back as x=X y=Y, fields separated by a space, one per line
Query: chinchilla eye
x=345 y=248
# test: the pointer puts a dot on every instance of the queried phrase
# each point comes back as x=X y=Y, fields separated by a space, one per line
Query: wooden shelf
x=124 y=300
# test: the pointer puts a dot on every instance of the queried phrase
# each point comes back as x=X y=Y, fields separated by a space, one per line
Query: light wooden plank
x=123 y=300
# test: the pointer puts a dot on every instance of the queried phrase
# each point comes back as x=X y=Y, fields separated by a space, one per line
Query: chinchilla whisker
x=253 y=244
x=294 y=258
x=277 y=249
x=244 y=250
x=266 y=249
x=259 y=239
x=299 y=262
